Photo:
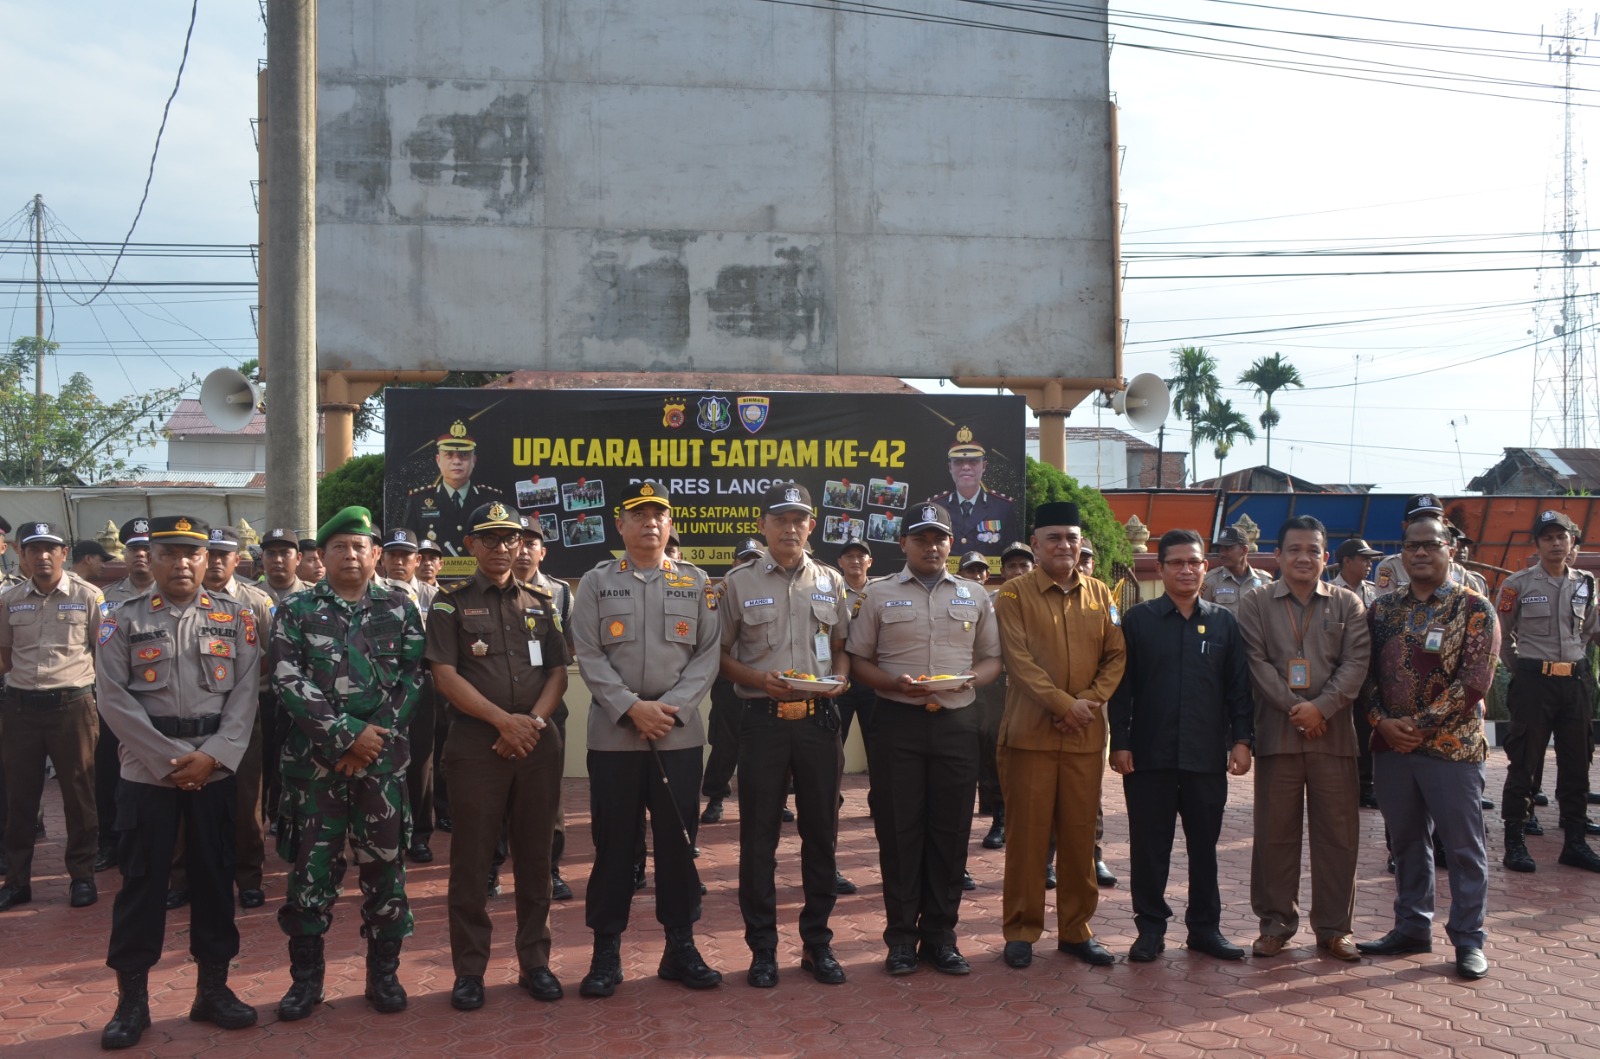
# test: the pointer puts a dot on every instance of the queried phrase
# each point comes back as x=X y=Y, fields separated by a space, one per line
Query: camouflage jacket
x=339 y=666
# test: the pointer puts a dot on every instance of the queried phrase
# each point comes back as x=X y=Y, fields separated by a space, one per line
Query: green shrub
x=1046 y=484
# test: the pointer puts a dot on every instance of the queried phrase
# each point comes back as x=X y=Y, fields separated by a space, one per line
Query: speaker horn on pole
x=229 y=399
x=1145 y=402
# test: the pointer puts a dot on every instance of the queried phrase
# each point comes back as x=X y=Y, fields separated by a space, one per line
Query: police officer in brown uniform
x=1228 y=584
x=784 y=613
x=498 y=654
x=47 y=657
x=1548 y=615
x=922 y=752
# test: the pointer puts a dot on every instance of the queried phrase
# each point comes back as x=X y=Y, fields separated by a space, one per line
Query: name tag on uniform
x=767 y=602
x=1299 y=674
x=535 y=653
x=1434 y=639
x=898 y=603
x=963 y=603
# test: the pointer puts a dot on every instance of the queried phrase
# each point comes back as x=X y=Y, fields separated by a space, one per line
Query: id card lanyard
x=1299 y=667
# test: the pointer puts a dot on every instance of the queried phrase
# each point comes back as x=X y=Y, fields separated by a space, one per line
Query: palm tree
x=1194 y=385
x=1222 y=424
x=1269 y=375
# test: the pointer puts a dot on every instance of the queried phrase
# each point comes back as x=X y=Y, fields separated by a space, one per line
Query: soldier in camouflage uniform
x=346 y=662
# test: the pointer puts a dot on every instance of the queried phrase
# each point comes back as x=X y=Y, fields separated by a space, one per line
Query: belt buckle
x=1558 y=669
x=793 y=711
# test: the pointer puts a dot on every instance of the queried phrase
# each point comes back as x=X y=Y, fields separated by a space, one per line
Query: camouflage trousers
x=317 y=815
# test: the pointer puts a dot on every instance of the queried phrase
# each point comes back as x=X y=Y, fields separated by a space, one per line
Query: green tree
x=1269 y=375
x=1111 y=547
x=1194 y=385
x=369 y=417
x=358 y=482
x=75 y=438
x=1222 y=425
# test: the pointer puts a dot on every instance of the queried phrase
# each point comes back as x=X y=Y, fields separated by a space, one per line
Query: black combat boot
x=384 y=991
x=996 y=838
x=1517 y=858
x=306 y=967
x=132 y=1017
x=682 y=963
x=214 y=1002
x=605 y=968
x=1575 y=852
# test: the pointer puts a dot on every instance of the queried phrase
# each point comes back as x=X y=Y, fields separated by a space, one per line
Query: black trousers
x=149 y=819
x=420 y=774
x=857 y=702
x=107 y=773
x=1156 y=799
x=991 y=706
x=621 y=784
x=1540 y=707
x=274 y=730
x=924 y=771
x=1363 y=750
x=723 y=730
x=770 y=751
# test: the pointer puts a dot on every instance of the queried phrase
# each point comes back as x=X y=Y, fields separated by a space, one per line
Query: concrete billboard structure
x=716 y=185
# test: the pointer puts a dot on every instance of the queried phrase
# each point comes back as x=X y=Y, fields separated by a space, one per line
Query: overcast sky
x=1220 y=157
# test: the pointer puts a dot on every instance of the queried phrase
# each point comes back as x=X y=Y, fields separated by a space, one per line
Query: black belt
x=187 y=727
x=1553 y=669
x=47 y=699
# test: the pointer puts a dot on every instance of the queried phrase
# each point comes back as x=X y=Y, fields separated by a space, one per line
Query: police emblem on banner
x=753 y=412
x=672 y=414
x=713 y=417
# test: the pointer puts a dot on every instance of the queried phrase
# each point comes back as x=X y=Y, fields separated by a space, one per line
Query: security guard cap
x=279 y=538
x=493 y=516
x=1555 y=519
x=532 y=526
x=925 y=517
x=787 y=496
x=353 y=519
x=399 y=540
x=1016 y=548
x=429 y=545
x=747 y=548
x=974 y=559
x=48 y=532
x=1423 y=504
x=222 y=539
x=645 y=493
x=1231 y=536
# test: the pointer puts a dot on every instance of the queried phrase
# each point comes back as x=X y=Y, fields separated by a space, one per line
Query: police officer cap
x=853 y=544
x=353 y=519
x=279 y=538
x=1356 y=546
x=428 y=544
x=399 y=540
x=222 y=539
x=1086 y=548
x=1553 y=518
x=5 y=527
x=748 y=547
x=179 y=529
x=1016 y=548
x=787 y=496
x=135 y=531
x=645 y=493
x=48 y=532
x=965 y=448
x=456 y=440
x=492 y=516
x=533 y=527
x=974 y=559
x=1423 y=504
x=1057 y=513
x=1232 y=535
x=925 y=517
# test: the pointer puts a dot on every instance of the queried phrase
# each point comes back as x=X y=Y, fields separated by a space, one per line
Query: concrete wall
x=721 y=185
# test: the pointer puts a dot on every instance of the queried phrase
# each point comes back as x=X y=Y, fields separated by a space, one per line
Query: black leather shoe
x=1102 y=874
x=1090 y=952
x=638 y=876
x=1590 y=827
x=177 y=899
x=83 y=894
x=467 y=993
x=1394 y=943
x=967 y=881
x=1369 y=800
x=420 y=853
x=1212 y=943
x=1389 y=864
x=1147 y=947
x=996 y=838
x=902 y=960
x=252 y=898
x=559 y=890
x=1470 y=962
x=763 y=973
x=105 y=860
x=541 y=984
x=788 y=815
x=712 y=813
x=945 y=958
x=1594 y=797
x=1050 y=877
x=493 y=883
x=1487 y=804
x=1531 y=826
x=12 y=896
x=841 y=885
x=1539 y=798
x=443 y=824
x=820 y=963
x=1018 y=954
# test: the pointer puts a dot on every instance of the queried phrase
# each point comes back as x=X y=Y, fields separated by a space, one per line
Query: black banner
x=564 y=456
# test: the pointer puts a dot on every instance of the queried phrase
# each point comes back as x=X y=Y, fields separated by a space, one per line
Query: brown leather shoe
x=1268 y=945
x=1341 y=946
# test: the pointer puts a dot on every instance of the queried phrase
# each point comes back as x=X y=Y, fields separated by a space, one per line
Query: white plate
x=826 y=684
x=942 y=685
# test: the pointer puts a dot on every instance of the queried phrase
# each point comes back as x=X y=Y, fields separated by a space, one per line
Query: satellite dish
x=229 y=399
x=1145 y=402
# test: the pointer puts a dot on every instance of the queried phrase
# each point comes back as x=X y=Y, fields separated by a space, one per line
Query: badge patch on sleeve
x=249 y=620
x=1508 y=599
x=711 y=597
x=617 y=628
x=682 y=628
x=1116 y=615
x=108 y=629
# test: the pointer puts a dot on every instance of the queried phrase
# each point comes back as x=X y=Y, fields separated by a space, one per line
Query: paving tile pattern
x=1541 y=998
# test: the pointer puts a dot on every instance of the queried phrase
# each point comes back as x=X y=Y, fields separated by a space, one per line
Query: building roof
x=1566 y=470
x=192 y=479
x=1263 y=479
x=697 y=380
x=1134 y=443
x=188 y=420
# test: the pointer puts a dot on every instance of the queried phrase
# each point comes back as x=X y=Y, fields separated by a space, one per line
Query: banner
x=563 y=457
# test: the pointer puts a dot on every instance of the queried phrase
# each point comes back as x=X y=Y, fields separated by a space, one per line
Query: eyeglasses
x=500 y=543
x=1423 y=546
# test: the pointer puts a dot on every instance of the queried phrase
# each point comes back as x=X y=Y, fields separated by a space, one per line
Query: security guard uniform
x=49 y=711
x=777 y=620
x=726 y=721
x=175 y=678
x=1547 y=622
x=1226 y=590
x=648 y=633
x=1391 y=576
x=424 y=726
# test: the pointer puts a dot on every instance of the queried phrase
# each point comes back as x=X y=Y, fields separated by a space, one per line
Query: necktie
x=966 y=509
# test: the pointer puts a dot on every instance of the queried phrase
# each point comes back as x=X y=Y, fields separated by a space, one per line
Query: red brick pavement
x=1542 y=996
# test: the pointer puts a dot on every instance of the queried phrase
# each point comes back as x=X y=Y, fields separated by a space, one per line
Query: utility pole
x=290 y=265
x=38 y=337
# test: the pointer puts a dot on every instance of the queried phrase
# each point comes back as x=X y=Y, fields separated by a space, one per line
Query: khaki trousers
x=1321 y=788
x=1049 y=794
